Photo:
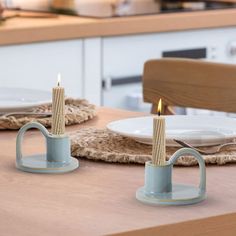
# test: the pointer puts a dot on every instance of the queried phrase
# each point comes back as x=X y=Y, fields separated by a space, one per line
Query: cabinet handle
x=109 y=81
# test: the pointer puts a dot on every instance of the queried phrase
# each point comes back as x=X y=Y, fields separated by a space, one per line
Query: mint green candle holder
x=159 y=190
x=57 y=158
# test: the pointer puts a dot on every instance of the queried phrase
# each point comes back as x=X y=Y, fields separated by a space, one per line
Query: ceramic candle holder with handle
x=57 y=158
x=159 y=190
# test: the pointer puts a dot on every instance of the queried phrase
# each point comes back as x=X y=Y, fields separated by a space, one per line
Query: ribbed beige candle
x=159 y=139
x=58 y=109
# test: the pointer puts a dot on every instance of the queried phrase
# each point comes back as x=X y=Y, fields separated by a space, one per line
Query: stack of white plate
x=20 y=99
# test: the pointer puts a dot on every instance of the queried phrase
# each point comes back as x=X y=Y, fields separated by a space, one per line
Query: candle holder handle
x=21 y=133
x=57 y=159
x=194 y=153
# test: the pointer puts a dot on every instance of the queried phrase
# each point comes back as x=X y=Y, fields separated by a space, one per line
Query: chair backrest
x=190 y=83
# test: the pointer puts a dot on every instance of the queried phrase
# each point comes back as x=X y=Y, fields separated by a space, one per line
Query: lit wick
x=58 y=79
x=159 y=107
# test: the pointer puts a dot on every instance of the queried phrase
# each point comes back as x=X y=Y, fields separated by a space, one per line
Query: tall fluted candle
x=58 y=109
x=159 y=139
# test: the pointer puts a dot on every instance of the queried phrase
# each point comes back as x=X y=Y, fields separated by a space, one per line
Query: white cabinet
x=123 y=58
x=125 y=55
x=117 y=61
x=36 y=65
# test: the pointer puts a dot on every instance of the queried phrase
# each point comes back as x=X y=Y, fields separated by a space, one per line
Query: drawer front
x=125 y=96
x=126 y=55
x=37 y=65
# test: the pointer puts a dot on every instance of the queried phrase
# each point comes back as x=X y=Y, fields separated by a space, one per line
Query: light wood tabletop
x=99 y=198
x=27 y=30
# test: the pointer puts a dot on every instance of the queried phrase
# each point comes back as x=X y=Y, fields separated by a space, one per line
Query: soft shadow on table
x=206 y=203
x=84 y=160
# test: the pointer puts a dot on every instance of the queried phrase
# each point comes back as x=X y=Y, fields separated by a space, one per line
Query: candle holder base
x=39 y=164
x=57 y=158
x=180 y=195
x=159 y=190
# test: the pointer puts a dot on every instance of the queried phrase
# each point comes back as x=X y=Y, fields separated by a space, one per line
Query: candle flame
x=159 y=108
x=59 y=79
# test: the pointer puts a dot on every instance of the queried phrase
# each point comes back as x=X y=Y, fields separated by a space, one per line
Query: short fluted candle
x=58 y=109
x=159 y=139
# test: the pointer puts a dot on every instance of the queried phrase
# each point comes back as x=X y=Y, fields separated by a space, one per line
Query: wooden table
x=99 y=198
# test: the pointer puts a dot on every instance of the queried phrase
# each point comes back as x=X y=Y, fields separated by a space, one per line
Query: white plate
x=196 y=130
x=20 y=99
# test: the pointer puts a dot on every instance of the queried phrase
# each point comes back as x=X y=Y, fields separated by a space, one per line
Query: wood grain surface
x=99 y=198
x=26 y=30
x=190 y=83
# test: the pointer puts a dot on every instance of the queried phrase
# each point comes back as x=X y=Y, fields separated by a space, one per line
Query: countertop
x=27 y=30
x=99 y=198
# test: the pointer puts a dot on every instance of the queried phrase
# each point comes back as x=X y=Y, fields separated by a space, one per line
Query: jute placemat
x=77 y=111
x=101 y=144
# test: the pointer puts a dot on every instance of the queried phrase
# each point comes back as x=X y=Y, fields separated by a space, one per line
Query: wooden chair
x=190 y=83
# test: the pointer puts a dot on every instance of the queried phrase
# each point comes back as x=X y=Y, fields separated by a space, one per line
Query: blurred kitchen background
x=101 y=47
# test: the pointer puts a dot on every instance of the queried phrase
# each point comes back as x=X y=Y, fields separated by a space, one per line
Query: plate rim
x=8 y=108
x=144 y=136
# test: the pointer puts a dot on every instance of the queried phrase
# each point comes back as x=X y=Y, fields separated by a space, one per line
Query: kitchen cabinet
x=37 y=65
x=123 y=58
x=98 y=58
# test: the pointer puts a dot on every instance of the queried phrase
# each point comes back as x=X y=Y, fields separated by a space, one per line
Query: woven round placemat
x=101 y=144
x=77 y=111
